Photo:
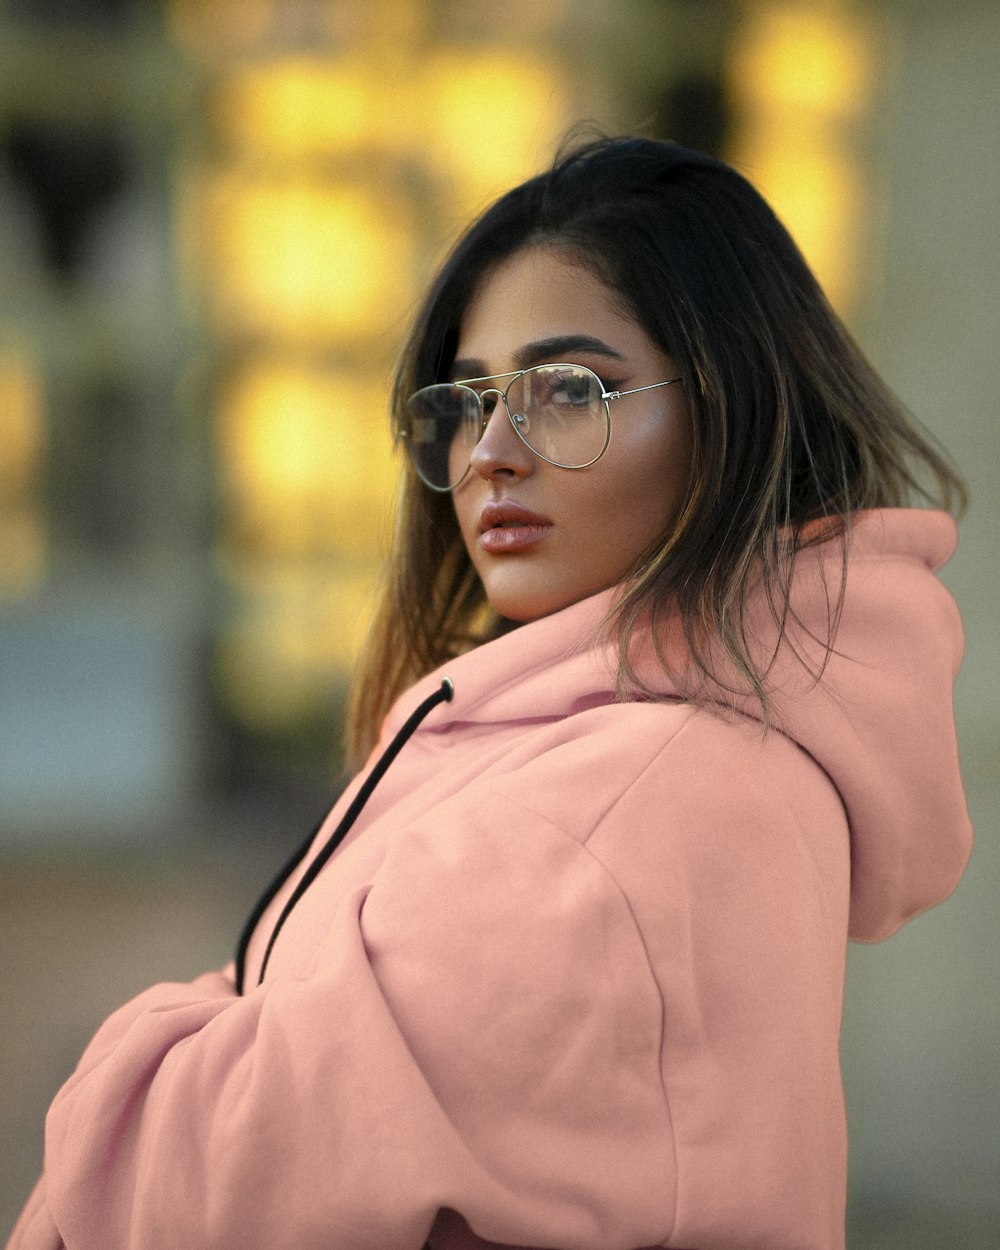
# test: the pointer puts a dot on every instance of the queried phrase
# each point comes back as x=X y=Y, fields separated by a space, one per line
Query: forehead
x=541 y=293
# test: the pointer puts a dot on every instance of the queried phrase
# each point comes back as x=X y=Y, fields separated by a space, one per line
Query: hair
x=790 y=423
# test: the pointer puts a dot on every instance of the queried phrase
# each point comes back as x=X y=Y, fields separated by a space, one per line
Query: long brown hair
x=791 y=424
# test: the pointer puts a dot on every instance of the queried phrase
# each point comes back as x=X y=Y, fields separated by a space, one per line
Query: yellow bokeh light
x=23 y=533
x=818 y=196
x=304 y=260
x=493 y=117
x=801 y=74
x=296 y=108
x=482 y=119
x=306 y=463
x=804 y=57
x=22 y=420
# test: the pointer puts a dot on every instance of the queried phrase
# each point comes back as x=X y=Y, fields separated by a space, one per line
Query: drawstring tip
x=448 y=689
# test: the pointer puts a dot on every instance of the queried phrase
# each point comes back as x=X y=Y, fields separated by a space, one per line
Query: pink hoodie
x=574 y=977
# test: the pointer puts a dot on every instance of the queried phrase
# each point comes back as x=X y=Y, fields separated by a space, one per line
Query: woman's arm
x=35 y=1229
x=604 y=1034
x=480 y=1032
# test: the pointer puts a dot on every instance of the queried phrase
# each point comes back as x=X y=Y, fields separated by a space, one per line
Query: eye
x=566 y=388
x=574 y=389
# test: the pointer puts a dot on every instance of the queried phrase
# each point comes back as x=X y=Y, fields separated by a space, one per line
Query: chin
x=524 y=604
x=517 y=610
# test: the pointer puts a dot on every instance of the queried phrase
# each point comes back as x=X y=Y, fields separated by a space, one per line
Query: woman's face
x=543 y=537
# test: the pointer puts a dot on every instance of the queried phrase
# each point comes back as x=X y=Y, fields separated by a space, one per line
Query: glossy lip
x=506 y=526
x=505 y=513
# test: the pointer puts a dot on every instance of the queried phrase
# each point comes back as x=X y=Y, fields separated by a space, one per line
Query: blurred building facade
x=216 y=218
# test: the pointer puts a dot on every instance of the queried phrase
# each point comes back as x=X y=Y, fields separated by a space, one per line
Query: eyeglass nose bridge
x=516 y=419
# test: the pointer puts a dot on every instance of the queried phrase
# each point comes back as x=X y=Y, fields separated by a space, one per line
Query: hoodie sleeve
x=604 y=1036
x=493 y=1050
x=34 y=1229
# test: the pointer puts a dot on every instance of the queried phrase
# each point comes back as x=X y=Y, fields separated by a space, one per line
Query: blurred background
x=216 y=218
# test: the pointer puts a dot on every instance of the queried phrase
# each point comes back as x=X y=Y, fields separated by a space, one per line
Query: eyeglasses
x=560 y=412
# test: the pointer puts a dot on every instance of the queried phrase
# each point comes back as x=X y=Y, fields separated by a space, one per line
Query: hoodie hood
x=879 y=720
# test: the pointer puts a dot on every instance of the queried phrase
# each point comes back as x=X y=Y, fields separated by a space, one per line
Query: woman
x=665 y=676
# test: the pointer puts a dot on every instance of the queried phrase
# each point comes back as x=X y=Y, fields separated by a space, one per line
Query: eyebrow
x=555 y=348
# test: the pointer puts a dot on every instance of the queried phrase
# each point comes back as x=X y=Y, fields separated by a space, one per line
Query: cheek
x=634 y=514
x=610 y=519
x=648 y=488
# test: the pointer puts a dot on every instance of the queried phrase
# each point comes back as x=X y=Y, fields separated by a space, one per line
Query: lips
x=506 y=526
x=506 y=514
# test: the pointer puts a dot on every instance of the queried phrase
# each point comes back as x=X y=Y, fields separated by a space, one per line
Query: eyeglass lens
x=558 y=411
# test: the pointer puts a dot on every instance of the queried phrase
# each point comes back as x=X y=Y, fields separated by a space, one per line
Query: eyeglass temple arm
x=635 y=391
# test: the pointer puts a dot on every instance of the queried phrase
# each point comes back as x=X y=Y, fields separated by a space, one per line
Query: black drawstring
x=442 y=695
x=265 y=901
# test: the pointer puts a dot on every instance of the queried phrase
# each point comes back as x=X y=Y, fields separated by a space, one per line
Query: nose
x=499 y=449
